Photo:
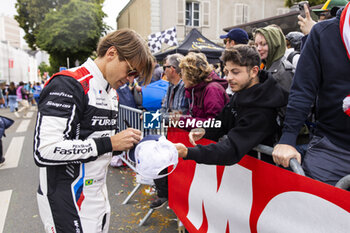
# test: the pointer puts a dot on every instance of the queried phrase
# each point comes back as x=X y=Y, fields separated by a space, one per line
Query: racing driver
x=76 y=132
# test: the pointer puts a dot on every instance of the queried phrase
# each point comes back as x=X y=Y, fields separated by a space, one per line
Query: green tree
x=289 y=3
x=30 y=15
x=72 y=31
x=43 y=67
x=32 y=12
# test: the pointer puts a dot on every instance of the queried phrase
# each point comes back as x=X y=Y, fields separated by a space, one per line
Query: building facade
x=208 y=16
x=10 y=31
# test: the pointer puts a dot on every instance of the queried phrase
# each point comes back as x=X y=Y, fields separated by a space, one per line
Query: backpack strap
x=291 y=56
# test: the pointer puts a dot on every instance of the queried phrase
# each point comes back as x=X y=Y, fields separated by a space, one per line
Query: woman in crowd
x=271 y=45
x=36 y=92
x=22 y=99
x=12 y=97
x=205 y=91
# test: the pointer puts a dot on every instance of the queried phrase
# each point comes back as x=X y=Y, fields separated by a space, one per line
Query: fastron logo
x=74 y=151
x=151 y=120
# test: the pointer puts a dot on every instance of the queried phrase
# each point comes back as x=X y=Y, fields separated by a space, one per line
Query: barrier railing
x=129 y=117
x=132 y=117
x=293 y=163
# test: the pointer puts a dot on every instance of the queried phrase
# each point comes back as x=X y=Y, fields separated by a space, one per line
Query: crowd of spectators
x=275 y=83
x=258 y=111
x=20 y=97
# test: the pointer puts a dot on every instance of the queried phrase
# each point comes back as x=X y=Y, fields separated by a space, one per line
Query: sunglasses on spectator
x=132 y=71
x=227 y=40
x=164 y=67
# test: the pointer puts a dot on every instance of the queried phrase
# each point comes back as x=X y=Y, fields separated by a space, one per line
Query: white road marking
x=13 y=153
x=23 y=126
x=30 y=114
x=5 y=197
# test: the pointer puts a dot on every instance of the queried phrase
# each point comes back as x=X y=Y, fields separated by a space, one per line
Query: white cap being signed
x=153 y=154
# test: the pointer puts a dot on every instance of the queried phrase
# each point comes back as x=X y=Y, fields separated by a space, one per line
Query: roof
x=126 y=7
x=288 y=22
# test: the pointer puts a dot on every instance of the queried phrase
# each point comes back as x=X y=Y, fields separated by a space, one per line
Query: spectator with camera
x=322 y=75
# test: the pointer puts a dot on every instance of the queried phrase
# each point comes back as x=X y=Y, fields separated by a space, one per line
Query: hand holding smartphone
x=305 y=20
x=304 y=10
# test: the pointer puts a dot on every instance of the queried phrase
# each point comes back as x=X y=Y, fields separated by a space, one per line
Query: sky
x=110 y=7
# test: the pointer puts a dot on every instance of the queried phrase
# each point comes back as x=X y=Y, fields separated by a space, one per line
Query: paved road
x=19 y=182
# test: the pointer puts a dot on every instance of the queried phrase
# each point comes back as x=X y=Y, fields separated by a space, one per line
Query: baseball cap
x=238 y=35
x=153 y=154
x=330 y=4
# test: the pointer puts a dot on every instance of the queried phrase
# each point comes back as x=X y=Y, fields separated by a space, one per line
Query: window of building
x=206 y=13
x=241 y=13
x=192 y=14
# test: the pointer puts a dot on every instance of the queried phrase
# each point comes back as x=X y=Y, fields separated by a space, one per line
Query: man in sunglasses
x=175 y=96
x=173 y=102
x=76 y=133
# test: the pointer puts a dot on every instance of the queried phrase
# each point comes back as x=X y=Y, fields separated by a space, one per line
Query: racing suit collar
x=96 y=72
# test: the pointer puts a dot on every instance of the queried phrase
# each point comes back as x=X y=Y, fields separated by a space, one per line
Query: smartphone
x=301 y=8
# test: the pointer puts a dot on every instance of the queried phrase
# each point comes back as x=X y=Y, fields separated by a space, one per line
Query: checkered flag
x=154 y=42
x=167 y=36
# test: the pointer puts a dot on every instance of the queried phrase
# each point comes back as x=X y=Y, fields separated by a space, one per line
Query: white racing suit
x=77 y=115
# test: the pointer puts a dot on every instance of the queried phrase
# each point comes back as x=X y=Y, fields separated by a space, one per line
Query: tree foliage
x=43 y=67
x=69 y=28
x=30 y=15
x=289 y=3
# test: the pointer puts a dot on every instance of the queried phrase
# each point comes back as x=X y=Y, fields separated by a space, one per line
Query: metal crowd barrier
x=131 y=117
x=293 y=163
x=343 y=183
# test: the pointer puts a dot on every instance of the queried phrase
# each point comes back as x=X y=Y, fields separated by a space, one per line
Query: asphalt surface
x=21 y=182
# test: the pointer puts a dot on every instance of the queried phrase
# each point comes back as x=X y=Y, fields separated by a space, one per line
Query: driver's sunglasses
x=227 y=40
x=132 y=71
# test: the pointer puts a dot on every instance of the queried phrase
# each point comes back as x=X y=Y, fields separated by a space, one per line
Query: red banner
x=11 y=63
x=253 y=196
